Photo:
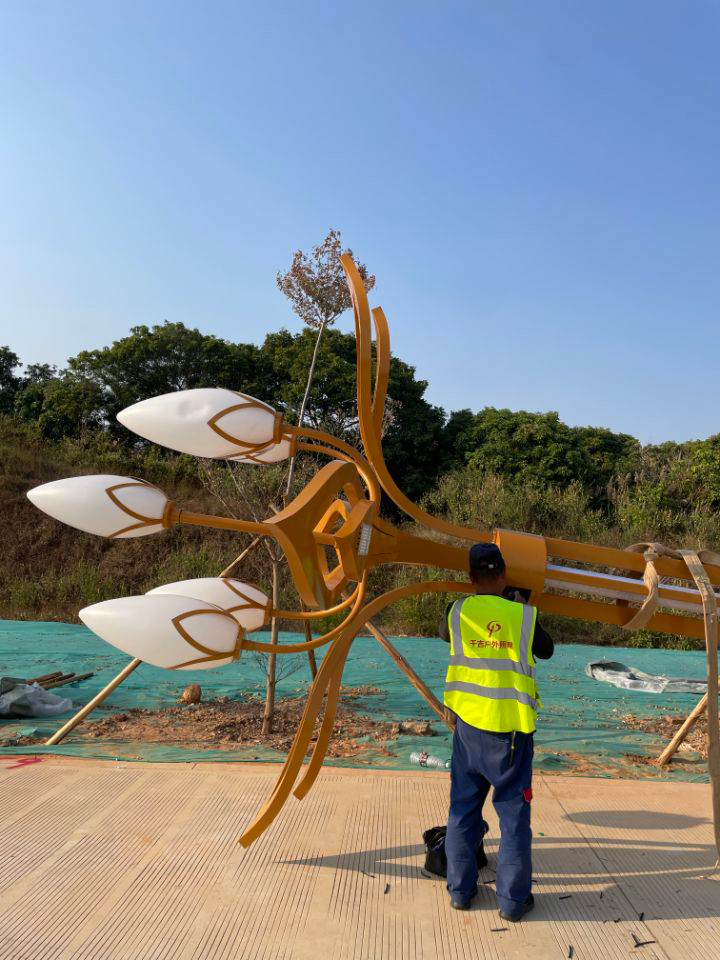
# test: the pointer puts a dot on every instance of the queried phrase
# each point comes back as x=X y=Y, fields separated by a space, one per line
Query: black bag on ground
x=435 y=857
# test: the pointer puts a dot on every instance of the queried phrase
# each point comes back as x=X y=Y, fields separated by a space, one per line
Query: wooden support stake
x=680 y=735
x=46 y=676
x=64 y=681
x=89 y=707
x=62 y=678
x=236 y=561
x=422 y=688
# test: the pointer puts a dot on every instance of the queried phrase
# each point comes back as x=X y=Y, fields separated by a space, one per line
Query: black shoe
x=526 y=908
x=459 y=902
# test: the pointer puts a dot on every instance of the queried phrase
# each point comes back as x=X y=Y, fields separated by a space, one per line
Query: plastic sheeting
x=578 y=728
x=630 y=678
x=31 y=700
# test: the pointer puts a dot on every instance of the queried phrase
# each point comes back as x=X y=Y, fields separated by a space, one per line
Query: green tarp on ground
x=578 y=728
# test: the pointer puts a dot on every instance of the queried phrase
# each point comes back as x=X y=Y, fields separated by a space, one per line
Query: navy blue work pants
x=480 y=760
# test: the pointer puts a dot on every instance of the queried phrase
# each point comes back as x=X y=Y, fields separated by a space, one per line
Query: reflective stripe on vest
x=493 y=693
x=491 y=674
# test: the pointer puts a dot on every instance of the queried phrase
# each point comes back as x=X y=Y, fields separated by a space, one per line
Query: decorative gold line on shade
x=250 y=603
x=251 y=404
x=209 y=653
x=144 y=521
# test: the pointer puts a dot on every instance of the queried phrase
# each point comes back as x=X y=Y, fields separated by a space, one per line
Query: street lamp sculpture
x=332 y=535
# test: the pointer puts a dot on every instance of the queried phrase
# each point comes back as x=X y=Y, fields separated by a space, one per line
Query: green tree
x=69 y=407
x=9 y=383
x=414 y=434
x=39 y=373
x=539 y=448
x=704 y=471
x=162 y=359
x=30 y=395
x=332 y=406
x=526 y=446
x=458 y=439
x=414 y=430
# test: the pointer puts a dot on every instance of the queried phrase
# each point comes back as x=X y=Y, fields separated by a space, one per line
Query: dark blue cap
x=485 y=558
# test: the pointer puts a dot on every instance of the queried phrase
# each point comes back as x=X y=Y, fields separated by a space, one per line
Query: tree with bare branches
x=316 y=287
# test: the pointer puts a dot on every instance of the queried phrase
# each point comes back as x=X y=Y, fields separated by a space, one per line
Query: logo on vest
x=493 y=627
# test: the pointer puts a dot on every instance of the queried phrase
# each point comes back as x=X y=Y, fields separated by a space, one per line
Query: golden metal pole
x=220 y=523
x=89 y=707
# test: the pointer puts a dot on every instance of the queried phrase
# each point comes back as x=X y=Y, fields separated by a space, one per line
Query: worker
x=490 y=687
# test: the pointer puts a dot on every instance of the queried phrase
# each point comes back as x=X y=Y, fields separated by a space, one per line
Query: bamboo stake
x=680 y=735
x=241 y=556
x=89 y=707
x=58 y=679
x=64 y=681
x=46 y=676
x=424 y=691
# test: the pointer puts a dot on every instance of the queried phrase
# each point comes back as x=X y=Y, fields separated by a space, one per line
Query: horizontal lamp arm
x=176 y=515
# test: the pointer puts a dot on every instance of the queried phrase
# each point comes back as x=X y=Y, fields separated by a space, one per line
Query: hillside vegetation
x=514 y=469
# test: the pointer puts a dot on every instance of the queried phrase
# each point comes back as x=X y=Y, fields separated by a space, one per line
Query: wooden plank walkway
x=106 y=861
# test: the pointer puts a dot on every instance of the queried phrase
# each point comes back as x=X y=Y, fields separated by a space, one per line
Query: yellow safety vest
x=490 y=682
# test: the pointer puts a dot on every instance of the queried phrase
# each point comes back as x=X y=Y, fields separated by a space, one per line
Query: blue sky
x=536 y=186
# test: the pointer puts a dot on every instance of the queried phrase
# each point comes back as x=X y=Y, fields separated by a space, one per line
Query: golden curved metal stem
x=364 y=470
x=323 y=451
x=261 y=647
x=294 y=759
x=323 y=740
x=328 y=676
x=311 y=434
x=333 y=447
x=317 y=614
x=368 y=432
x=382 y=367
x=374 y=607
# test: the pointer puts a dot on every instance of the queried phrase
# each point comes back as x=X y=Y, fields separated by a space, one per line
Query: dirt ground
x=227 y=724
x=666 y=727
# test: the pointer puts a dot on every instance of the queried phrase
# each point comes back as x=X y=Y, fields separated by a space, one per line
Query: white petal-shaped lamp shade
x=272 y=453
x=207 y=422
x=176 y=633
x=250 y=606
x=103 y=504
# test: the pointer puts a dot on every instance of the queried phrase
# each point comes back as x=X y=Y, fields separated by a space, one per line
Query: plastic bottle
x=426 y=760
